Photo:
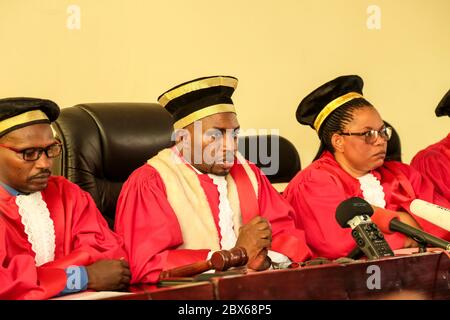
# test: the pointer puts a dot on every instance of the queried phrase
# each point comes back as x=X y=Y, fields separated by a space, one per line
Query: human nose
x=230 y=142
x=44 y=162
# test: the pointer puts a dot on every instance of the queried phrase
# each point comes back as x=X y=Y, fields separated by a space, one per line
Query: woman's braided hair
x=336 y=122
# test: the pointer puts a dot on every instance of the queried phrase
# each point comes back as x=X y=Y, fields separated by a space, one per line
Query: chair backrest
x=104 y=142
x=276 y=156
x=394 y=146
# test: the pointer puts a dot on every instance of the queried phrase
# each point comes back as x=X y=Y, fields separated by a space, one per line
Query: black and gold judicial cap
x=443 y=108
x=16 y=113
x=199 y=98
x=319 y=104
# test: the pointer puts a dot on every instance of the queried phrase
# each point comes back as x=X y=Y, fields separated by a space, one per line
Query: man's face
x=26 y=176
x=213 y=143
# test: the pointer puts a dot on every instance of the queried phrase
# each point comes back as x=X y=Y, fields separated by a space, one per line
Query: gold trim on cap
x=333 y=105
x=197 y=85
x=22 y=118
x=205 y=112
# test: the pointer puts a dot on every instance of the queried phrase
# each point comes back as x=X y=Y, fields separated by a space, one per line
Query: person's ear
x=338 y=142
x=178 y=135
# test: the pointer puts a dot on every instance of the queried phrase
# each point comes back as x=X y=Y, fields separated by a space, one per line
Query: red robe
x=82 y=237
x=316 y=191
x=152 y=233
x=434 y=163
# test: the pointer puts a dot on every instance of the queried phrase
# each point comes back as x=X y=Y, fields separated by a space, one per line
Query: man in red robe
x=53 y=240
x=434 y=161
x=201 y=195
x=352 y=164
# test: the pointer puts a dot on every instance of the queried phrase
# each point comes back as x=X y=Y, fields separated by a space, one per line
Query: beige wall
x=280 y=50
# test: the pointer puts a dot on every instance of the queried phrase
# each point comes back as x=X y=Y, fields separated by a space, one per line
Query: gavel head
x=225 y=259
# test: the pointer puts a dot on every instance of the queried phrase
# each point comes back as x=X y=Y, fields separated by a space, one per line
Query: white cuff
x=278 y=257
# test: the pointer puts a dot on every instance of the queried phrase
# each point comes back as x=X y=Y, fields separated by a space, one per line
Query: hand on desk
x=261 y=262
x=108 y=275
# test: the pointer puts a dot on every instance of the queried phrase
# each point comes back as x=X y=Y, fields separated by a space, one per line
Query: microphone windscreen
x=435 y=214
x=351 y=208
x=383 y=217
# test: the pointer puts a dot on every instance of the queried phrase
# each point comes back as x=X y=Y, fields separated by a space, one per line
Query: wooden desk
x=193 y=291
x=426 y=274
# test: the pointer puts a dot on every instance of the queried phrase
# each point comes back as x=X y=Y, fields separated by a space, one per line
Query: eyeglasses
x=371 y=136
x=33 y=154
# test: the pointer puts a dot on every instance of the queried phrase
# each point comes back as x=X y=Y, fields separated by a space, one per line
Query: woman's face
x=358 y=152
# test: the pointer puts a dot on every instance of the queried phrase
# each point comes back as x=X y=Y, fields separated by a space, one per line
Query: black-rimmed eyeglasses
x=33 y=154
x=371 y=136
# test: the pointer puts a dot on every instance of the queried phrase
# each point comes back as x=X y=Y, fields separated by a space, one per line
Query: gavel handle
x=186 y=271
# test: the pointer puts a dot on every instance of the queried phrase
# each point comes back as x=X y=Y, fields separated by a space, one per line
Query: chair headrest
x=110 y=140
x=276 y=156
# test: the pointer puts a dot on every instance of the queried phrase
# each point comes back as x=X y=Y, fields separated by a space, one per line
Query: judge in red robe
x=53 y=239
x=174 y=211
x=354 y=140
x=434 y=161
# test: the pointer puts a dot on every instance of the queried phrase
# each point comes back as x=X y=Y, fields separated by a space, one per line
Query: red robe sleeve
x=424 y=190
x=150 y=228
x=286 y=237
x=315 y=194
x=82 y=237
x=85 y=235
x=434 y=164
x=21 y=279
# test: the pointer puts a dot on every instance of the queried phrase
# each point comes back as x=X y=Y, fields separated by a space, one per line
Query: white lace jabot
x=38 y=226
x=372 y=190
x=226 y=224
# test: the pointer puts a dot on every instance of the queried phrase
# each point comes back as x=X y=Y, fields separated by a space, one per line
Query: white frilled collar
x=38 y=226
x=226 y=224
x=372 y=190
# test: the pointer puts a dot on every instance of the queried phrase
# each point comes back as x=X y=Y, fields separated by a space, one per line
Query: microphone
x=388 y=222
x=435 y=214
x=355 y=213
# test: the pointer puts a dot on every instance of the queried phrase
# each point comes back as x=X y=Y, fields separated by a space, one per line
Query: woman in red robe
x=352 y=164
x=434 y=161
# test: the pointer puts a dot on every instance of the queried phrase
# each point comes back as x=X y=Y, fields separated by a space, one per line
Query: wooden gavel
x=220 y=261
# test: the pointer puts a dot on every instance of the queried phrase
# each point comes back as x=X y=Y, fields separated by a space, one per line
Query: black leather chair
x=394 y=146
x=104 y=142
x=262 y=150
